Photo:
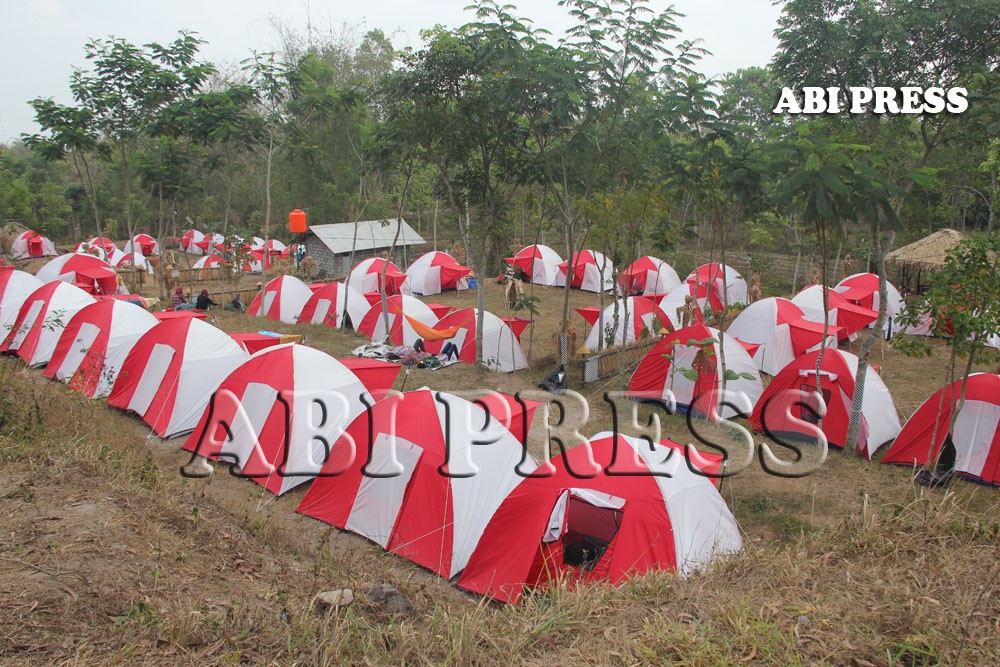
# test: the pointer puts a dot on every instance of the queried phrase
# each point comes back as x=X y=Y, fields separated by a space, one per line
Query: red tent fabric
x=440 y=310
x=432 y=519
x=255 y=342
x=777 y=410
x=592 y=271
x=976 y=435
x=377 y=376
x=710 y=281
x=501 y=350
x=281 y=299
x=516 y=324
x=589 y=313
x=851 y=317
x=401 y=332
x=607 y=527
x=247 y=422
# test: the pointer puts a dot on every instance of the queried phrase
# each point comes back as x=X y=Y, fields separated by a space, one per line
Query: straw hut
x=928 y=254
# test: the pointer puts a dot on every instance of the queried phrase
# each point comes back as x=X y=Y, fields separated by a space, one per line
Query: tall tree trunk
x=392 y=249
x=857 y=401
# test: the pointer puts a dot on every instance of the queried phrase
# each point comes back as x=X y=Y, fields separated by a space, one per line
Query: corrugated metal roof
x=372 y=234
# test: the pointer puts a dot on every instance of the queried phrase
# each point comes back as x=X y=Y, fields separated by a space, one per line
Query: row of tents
x=404 y=320
x=491 y=526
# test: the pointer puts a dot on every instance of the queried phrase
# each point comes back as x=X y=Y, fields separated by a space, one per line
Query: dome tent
x=290 y=388
x=172 y=371
x=430 y=518
x=862 y=289
x=694 y=372
x=15 y=287
x=649 y=275
x=975 y=436
x=539 y=262
x=843 y=313
x=95 y=344
x=401 y=309
x=281 y=299
x=502 y=350
x=41 y=320
x=592 y=271
x=634 y=315
x=711 y=281
x=326 y=306
x=606 y=527
x=778 y=327
x=435 y=272
x=778 y=410
x=366 y=277
x=90 y=273
x=29 y=245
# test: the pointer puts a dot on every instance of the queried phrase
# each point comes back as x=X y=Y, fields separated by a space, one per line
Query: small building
x=920 y=257
x=330 y=245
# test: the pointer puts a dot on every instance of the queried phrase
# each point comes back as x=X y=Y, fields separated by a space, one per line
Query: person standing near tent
x=204 y=301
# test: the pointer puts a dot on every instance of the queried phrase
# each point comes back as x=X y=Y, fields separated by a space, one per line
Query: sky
x=41 y=41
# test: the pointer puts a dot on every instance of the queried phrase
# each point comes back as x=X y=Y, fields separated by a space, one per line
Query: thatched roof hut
x=929 y=253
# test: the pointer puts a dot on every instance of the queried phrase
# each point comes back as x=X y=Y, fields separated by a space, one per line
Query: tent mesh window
x=589 y=531
x=808 y=407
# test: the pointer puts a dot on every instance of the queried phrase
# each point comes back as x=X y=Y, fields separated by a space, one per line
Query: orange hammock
x=428 y=333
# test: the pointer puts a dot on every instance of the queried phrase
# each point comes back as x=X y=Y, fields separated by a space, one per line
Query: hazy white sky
x=42 y=40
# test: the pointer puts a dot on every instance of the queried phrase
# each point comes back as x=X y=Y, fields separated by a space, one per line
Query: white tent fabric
x=282 y=299
x=16 y=286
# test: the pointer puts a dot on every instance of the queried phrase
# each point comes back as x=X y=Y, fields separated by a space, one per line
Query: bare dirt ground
x=108 y=555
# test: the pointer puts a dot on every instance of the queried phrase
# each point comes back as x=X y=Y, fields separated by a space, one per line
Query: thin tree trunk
x=392 y=249
x=857 y=401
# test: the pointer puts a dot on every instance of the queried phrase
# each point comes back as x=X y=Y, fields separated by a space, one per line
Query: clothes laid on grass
x=408 y=356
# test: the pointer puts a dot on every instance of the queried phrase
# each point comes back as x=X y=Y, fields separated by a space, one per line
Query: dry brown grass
x=107 y=555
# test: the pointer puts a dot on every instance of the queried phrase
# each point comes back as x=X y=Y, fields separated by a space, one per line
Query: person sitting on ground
x=450 y=349
x=236 y=304
x=177 y=298
x=204 y=301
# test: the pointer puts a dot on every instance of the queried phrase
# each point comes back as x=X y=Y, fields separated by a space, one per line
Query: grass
x=108 y=555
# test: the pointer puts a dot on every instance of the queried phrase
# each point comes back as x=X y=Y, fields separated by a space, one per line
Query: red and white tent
x=326 y=306
x=85 y=248
x=31 y=244
x=432 y=519
x=605 y=528
x=172 y=371
x=657 y=376
x=281 y=299
x=93 y=346
x=592 y=271
x=401 y=331
x=41 y=320
x=246 y=420
x=843 y=313
x=502 y=350
x=190 y=241
x=210 y=241
x=539 y=262
x=102 y=242
x=776 y=411
x=85 y=271
x=676 y=299
x=778 y=327
x=273 y=247
x=862 y=290
x=137 y=259
x=145 y=243
x=289 y=251
x=634 y=315
x=208 y=262
x=649 y=275
x=15 y=288
x=975 y=434
x=435 y=272
x=367 y=275
x=711 y=281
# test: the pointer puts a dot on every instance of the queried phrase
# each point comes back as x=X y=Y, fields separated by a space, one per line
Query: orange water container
x=297 y=222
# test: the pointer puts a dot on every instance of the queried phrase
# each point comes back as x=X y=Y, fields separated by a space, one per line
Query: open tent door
x=584 y=523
